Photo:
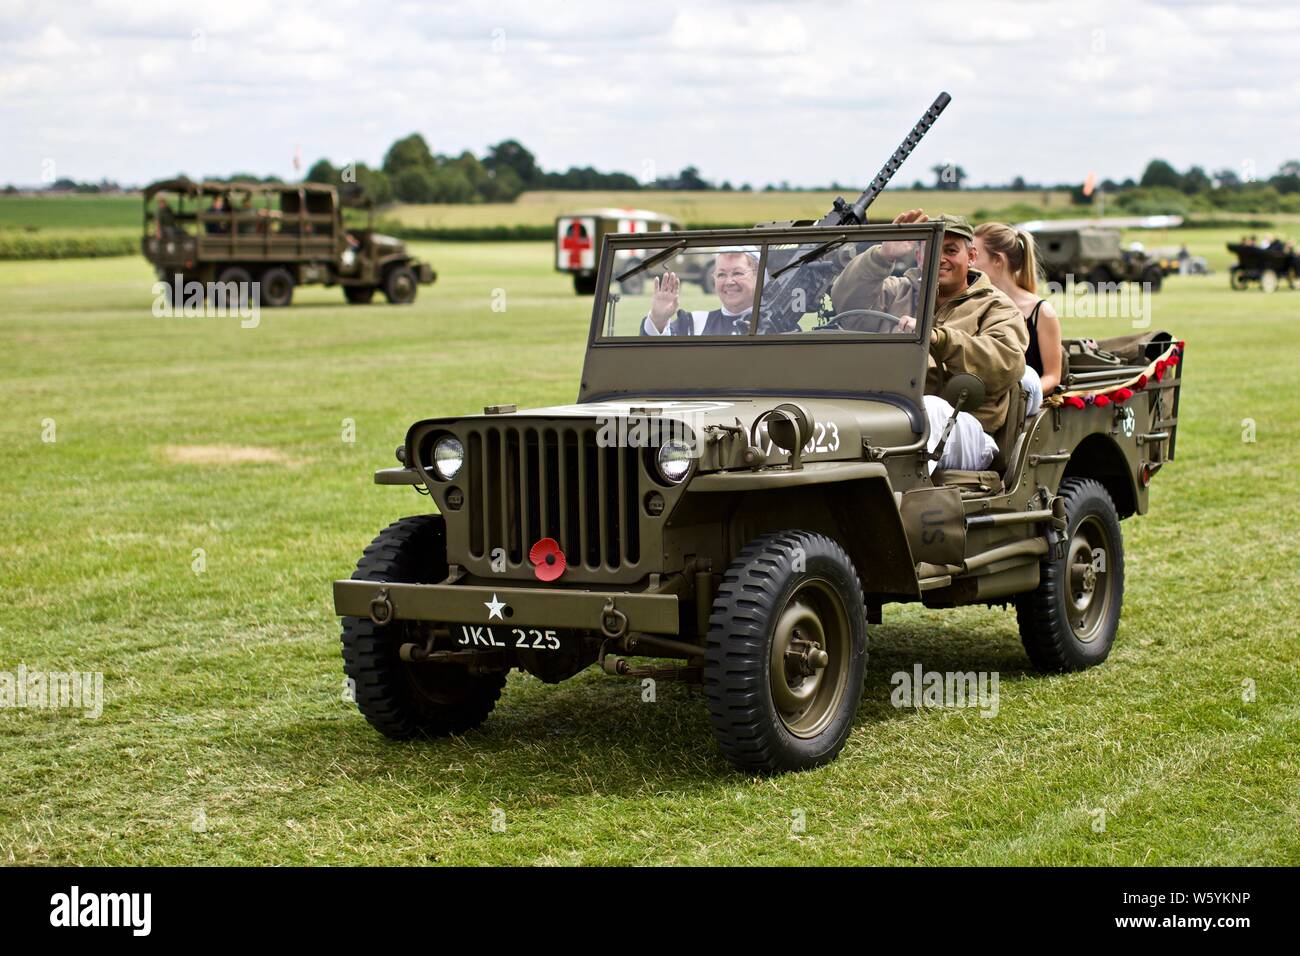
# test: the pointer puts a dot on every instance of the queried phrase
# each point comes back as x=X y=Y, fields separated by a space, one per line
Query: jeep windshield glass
x=833 y=285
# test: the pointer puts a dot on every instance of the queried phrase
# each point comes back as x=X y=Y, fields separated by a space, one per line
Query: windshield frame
x=930 y=232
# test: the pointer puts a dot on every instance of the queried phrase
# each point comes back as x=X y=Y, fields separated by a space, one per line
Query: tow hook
x=381 y=608
x=613 y=622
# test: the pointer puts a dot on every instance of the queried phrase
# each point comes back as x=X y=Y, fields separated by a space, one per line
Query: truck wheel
x=584 y=285
x=400 y=286
x=1154 y=277
x=1069 y=621
x=358 y=294
x=277 y=288
x=236 y=274
x=1099 y=276
x=1237 y=279
x=1268 y=281
x=786 y=653
x=404 y=699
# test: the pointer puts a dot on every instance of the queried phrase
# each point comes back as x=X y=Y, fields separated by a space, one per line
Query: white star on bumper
x=494 y=608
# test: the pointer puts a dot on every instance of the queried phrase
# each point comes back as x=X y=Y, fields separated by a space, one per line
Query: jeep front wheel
x=403 y=699
x=786 y=653
x=1069 y=621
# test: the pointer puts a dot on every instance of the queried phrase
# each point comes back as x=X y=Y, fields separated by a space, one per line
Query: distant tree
x=689 y=178
x=1287 y=179
x=323 y=171
x=1018 y=184
x=410 y=152
x=503 y=185
x=726 y=186
x=1160 y=173
x=454 y=183
x=948 y=176
x=1227 y=179
x=510 y=154
x=918 y=186
x=1195 y=180
x=414 y=184
x=374 y=184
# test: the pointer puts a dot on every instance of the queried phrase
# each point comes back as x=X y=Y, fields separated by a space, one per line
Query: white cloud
x=747 y=91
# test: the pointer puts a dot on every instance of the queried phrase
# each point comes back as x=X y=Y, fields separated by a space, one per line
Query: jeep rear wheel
x=1069 y=621
x=404 y=699
x=786 y=653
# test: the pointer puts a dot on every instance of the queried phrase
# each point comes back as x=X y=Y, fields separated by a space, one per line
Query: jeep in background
x=279 y=235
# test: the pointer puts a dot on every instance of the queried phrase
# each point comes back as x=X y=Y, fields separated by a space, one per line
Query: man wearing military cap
x=977 y=329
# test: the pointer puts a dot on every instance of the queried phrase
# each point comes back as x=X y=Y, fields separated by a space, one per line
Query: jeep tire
x=1069 y=621
x=786 y=653
x=404 y=699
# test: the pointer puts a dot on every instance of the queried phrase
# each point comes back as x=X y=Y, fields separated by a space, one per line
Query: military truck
x=736 y=509
x=580 y=235
x=1095 y=255
x=280 y=235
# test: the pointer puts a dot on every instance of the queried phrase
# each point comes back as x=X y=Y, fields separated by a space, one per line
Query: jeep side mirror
x=964 y=392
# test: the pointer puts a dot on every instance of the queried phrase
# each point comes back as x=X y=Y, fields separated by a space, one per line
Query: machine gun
x=807 y=276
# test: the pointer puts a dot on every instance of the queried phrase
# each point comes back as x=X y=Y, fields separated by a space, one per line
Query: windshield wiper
x=810 y=254
x=653 y=261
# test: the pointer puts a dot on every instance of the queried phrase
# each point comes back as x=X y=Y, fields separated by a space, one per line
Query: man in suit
x=735 y=273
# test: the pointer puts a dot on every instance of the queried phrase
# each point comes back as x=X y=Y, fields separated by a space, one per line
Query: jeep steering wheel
x=884 y=322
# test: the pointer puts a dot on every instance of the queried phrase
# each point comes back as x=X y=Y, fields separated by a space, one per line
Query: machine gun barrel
x=842 y=214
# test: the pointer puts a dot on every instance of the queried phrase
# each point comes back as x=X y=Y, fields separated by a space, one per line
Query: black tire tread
x=736 y=665
x=400 y=553
x=1044 y=629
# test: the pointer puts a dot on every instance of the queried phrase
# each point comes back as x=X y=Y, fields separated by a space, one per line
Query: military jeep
x=735 y=509
x=280 y=235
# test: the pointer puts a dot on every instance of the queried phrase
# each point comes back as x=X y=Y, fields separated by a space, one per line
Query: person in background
x=166 y=220
x=1007 y=256
x=218 y=207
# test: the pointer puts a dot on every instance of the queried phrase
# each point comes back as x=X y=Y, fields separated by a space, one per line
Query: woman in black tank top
x=1006 y=255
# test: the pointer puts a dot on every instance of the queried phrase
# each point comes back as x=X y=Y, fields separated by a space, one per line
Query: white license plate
x=525 y=638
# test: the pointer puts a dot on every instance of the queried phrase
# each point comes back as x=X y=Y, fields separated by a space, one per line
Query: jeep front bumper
x=506 y=606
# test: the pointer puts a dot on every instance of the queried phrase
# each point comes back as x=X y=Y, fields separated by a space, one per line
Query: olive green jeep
x=732 y=502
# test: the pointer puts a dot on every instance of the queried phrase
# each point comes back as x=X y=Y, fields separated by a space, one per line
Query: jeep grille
x=529 y=482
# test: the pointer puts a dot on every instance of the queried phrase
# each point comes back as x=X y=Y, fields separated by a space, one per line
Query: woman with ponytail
x=1006 y=255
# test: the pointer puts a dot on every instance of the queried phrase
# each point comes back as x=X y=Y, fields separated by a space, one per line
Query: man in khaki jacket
x=977 y=328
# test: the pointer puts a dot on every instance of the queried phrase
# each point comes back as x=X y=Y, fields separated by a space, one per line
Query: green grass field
x=226 y=736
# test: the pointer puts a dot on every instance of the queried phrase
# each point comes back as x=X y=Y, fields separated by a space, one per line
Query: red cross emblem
x=575 y=243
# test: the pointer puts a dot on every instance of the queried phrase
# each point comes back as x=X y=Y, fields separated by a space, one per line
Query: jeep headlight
x=673 y=461
x=448 y=456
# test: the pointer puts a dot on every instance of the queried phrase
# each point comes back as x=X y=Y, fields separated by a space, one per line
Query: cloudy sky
x=748 y=91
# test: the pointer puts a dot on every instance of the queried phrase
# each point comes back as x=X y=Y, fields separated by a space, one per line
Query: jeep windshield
x=870 y=282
